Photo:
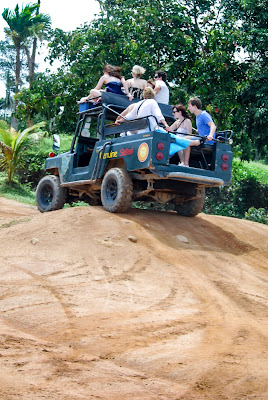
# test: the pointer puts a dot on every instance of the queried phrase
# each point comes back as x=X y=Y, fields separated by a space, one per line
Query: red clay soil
x=140 y=306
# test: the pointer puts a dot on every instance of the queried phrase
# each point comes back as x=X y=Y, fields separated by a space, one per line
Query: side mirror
x=56 y=142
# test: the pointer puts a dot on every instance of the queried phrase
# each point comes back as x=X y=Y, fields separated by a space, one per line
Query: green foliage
x=250 y=119
x=197 y=43
x=33 y=160
x=25 y=26
x=254 y=132
x=259 y=169
x=24 y=23
x=186 y=40
x=246 y=191
x=13 y=144
x=7 y=70
x=16 y=191
x=257 y=215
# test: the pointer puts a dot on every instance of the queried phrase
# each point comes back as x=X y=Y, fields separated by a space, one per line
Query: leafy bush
x=33 y=169
x=257 y=215
x=34 y=160
x=246 y=191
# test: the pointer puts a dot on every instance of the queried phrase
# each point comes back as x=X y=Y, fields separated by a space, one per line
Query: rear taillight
x=51 y=154
x=224 y=167
x=225 y=157
x=159 y=156
x=160 y=146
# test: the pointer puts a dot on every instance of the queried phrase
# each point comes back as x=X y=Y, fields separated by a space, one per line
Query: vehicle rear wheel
x=192 y=207
x=116 y=190
x=50 y=195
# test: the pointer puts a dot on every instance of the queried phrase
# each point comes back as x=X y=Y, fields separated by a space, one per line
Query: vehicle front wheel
x=192 y=207
x=116 y=190
x=50 y=195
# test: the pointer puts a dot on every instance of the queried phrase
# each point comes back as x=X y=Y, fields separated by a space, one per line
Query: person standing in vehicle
x=204 y=123
x=136 y=85
x=183 y=128
x=161 y=90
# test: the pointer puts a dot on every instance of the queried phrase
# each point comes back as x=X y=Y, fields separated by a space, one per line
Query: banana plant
x=13 y=144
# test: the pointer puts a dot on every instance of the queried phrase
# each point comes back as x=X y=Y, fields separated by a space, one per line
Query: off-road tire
x=192 y=207
x=49 y=195
x=116 y=190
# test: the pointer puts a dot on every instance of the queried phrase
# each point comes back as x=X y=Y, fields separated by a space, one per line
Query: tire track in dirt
x=158 y=319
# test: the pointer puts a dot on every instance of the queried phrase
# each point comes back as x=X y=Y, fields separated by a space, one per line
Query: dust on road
x=140 y=306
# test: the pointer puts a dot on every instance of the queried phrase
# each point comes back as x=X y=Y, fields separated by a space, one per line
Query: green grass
x=45 y=144
x=259 y=169
x=16 y=191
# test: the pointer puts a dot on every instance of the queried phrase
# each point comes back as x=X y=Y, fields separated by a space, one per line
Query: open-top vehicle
x=117 y=167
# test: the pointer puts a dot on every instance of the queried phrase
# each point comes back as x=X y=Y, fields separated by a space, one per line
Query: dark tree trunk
x=32 y=58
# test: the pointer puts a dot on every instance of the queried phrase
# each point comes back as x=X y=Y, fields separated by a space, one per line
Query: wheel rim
x=47 y=195
x=111 y=191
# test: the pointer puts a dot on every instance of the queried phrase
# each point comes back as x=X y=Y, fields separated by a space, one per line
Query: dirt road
x=139 y=306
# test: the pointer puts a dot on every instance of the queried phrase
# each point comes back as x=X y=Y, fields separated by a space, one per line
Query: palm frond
x=23 y=136
x=5 y=148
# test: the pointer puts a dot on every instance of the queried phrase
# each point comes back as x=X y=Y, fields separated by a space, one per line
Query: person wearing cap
x=161 y=90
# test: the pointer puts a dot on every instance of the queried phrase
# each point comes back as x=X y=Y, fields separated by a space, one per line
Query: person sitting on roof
x=161 y=89
x=136 y=85
x=113 y=81
x=150 y=83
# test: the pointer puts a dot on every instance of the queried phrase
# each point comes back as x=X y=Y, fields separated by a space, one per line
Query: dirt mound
x=145 y=305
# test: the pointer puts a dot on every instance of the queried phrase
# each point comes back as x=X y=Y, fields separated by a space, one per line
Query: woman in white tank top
x=183 y=128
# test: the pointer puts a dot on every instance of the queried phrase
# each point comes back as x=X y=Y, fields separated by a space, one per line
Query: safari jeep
x=116 y=168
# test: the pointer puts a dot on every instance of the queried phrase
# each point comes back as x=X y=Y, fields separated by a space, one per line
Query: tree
x=7 y=62
x=154 y=35
x=12 y=145
x=196 y=42
x=24 y=27
x=187 y=39
x=251 y=120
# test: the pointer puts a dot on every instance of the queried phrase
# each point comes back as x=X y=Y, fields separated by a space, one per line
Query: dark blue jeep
x=114 y=169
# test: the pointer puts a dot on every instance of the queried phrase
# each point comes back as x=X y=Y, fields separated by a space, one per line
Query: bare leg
x=194 y=143
x=181 y=156
x=94 y=94
x=187 y=152
x=184 y=155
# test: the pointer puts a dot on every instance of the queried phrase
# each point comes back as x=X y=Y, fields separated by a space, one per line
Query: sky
x=64 y=14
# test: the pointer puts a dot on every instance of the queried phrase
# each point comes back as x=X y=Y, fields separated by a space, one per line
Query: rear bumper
x=202 y=180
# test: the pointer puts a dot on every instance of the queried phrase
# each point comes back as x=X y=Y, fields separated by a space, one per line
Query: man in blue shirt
x=204 y=123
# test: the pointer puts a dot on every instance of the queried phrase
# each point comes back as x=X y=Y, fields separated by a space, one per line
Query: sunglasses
x=156 y=76
x=174 y=111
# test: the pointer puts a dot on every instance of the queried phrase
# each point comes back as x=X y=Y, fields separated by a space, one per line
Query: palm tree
x=25 y=27
x=12 y=145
